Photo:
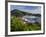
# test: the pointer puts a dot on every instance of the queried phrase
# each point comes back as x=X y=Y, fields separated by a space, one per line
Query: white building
x=31 y=19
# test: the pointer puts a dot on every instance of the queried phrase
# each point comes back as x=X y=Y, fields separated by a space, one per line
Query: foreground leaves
x=18 y=25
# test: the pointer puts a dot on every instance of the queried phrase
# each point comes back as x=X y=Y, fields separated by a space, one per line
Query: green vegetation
x=18 y=25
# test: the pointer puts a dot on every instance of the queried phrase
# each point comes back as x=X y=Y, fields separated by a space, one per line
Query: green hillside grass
x=18 y=25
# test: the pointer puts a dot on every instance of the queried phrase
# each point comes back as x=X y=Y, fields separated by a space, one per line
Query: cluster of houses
x=31 y=19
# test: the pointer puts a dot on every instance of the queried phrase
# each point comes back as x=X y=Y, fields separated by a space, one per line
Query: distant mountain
x=17 y=12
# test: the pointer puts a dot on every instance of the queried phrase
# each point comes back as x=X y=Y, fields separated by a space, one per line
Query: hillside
x=17 y=12
x=17 y=24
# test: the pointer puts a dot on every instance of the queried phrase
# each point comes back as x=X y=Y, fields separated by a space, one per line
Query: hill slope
x=17 y=12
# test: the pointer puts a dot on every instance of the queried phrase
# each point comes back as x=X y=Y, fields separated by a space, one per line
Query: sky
x=29 y=9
